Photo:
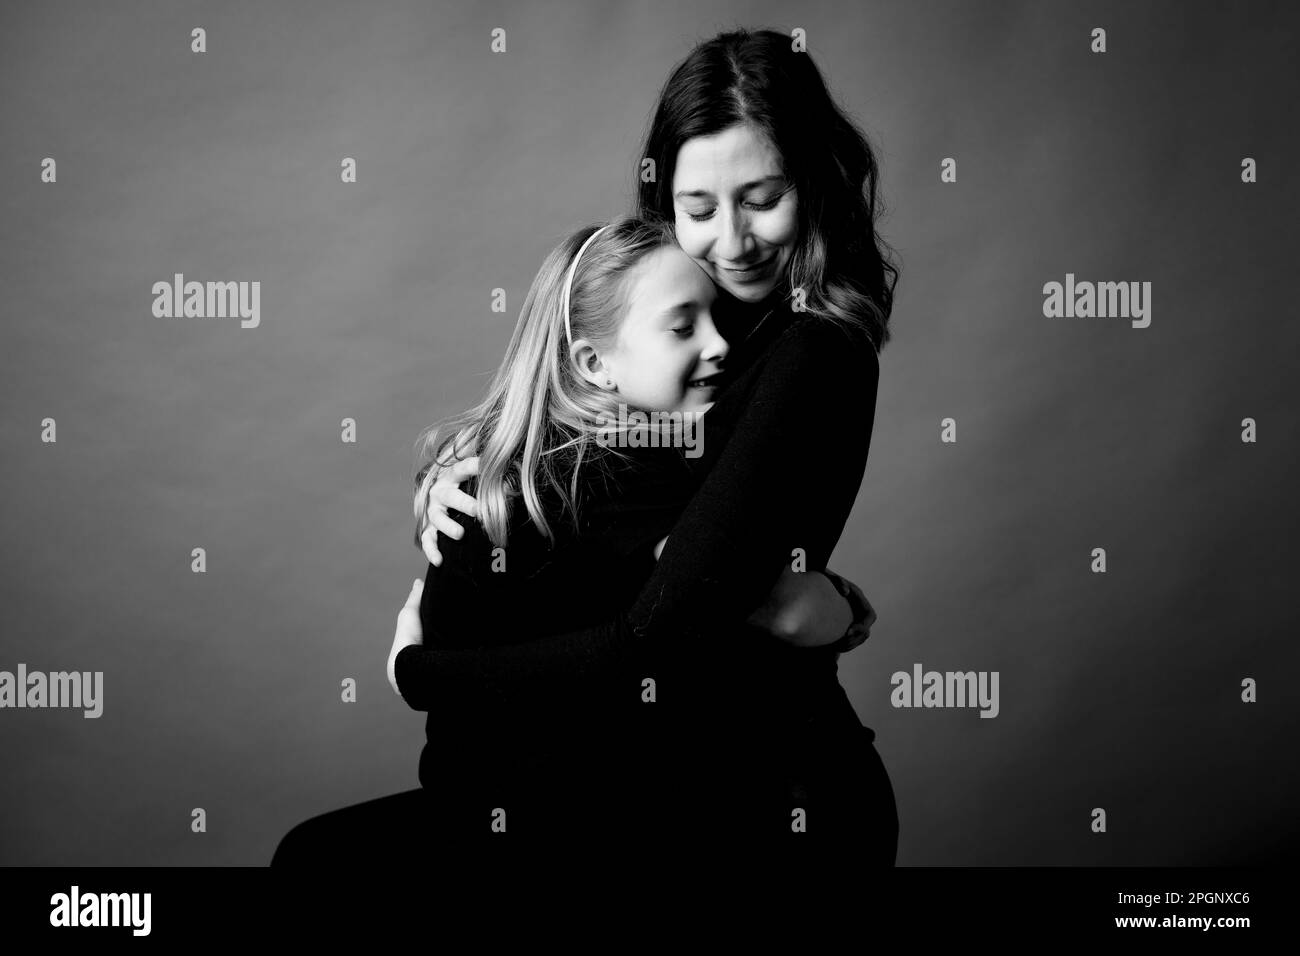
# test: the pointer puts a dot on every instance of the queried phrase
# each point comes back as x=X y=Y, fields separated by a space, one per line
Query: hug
x=618 y=642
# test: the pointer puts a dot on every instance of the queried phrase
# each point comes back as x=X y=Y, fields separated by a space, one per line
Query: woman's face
x=667 y=341
x=736 y=214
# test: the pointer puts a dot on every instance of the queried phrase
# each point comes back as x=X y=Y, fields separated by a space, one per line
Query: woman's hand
x=805 y=609
x=659 y=548
x=445 y=494
x=864 y=615
x=408 y=631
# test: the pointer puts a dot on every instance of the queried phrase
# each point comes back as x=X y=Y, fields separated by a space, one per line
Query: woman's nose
x=733 y=231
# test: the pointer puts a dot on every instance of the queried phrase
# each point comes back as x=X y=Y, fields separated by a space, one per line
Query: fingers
x=454 y=474
x=442 y=522
x=871 y=611
x=455 y=498
x=461 y=470
x=391 y=671
x=429 y=543
x=445 y=489
x=449 y=496
x=409 y=630
x=861 y=599
x=438 y=521
x=445 y=495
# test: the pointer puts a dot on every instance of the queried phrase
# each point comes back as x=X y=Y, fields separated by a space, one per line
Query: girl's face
x=667 y=341
x=736 y=214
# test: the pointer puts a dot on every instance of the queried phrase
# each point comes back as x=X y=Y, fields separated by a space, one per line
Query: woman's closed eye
x=759 y=206
x=684 y=330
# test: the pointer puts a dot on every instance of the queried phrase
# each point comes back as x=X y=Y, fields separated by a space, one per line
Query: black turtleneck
x=551 y=658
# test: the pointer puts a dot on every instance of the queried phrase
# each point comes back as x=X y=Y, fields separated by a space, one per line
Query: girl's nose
x=715 y=346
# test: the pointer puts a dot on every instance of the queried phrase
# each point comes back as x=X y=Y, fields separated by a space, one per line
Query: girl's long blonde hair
x=541 y=417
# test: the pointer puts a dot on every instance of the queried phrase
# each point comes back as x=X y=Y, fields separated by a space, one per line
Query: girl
x=574 y=503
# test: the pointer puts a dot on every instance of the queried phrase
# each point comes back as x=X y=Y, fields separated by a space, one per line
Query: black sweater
x=548 y=660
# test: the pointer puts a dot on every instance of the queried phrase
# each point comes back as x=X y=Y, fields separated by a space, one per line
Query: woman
x=772 y=191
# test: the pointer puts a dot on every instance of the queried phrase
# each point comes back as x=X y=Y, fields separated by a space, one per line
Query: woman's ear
x=590 y=366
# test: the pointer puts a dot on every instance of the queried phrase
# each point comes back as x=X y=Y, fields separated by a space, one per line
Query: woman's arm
x=462 y=576
x=802 y=435
x=409 y=631
x=450 y=476
x=803 y=609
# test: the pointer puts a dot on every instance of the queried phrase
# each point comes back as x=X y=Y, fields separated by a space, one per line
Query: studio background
x=1119 y=690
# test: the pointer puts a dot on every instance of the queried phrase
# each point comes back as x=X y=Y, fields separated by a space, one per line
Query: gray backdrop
x=1120 y=690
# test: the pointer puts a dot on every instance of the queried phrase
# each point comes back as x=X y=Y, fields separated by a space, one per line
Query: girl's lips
x=709 y=381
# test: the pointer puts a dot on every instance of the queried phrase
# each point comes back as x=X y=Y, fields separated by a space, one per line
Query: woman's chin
x=750 y=292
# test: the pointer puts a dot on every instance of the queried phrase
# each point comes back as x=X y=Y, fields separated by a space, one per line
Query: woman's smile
x=754 y=273
x=735 y=210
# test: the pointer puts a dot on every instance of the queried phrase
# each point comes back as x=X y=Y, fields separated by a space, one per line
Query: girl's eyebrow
x=690 y=305
x=694 y=193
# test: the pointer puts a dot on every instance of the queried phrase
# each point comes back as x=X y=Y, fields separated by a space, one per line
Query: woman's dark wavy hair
x=755 y=77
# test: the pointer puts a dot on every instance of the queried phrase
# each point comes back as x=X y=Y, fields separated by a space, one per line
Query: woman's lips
x=750 y=274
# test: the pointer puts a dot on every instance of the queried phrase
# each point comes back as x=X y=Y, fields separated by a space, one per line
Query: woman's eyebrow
x=693 y=193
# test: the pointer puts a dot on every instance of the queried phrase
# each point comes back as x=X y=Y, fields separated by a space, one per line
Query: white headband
x=568 y=283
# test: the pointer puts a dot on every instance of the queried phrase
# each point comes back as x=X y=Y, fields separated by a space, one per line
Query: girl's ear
x=590 y=366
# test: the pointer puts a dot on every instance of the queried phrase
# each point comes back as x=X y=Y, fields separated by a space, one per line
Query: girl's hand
x=445 y=494
x=804 y=609
x=408 y=631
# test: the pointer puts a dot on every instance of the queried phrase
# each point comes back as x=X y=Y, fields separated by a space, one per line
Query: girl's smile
x=669 y=354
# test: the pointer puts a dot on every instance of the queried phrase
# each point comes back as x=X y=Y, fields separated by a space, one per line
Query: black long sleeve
x=795 y=430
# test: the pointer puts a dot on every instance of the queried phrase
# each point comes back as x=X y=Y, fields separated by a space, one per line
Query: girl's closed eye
x=684 y=330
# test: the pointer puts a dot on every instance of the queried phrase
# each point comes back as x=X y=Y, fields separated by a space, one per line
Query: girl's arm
x=786 y=479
